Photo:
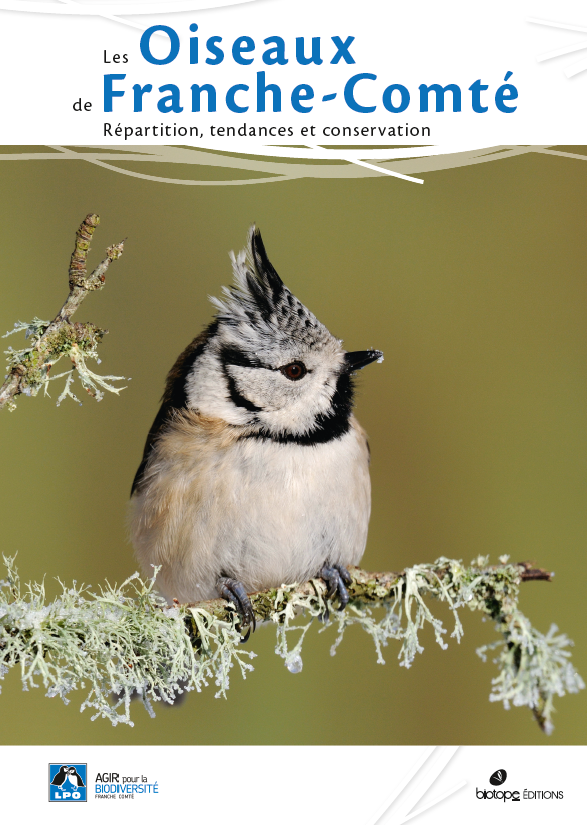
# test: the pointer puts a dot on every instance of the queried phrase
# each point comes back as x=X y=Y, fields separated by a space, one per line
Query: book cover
x=417 y=176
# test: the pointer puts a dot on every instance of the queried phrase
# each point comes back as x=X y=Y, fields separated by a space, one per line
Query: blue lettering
x=109 y=93
x=349 y=93
x=146 y=45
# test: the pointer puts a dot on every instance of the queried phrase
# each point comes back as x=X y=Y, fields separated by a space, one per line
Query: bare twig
x=51 y=341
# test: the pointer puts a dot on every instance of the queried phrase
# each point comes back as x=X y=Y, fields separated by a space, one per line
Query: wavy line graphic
x=273 y=169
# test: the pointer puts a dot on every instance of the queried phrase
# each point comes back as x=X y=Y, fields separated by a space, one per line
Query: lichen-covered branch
x=373 y=588
x=125 y=641
x=54 y=340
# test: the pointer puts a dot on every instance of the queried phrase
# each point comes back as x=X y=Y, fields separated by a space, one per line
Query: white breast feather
x=256 y=510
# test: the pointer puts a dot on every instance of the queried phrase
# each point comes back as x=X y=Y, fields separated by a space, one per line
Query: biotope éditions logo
x=499 y=777
x=67 y=783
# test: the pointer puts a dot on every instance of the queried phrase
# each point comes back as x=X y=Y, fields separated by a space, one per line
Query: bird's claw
x=337 y=578
x=234 y=591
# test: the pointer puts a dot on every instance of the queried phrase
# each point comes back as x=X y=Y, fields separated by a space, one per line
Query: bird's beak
x=358 y=360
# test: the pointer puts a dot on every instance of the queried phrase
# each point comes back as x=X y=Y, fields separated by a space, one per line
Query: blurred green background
x=473 y=285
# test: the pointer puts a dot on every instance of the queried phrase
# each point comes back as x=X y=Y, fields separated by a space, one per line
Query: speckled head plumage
x=262 y=308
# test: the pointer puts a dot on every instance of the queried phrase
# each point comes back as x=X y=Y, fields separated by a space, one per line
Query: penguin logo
x=67 y=783
x=498 y=777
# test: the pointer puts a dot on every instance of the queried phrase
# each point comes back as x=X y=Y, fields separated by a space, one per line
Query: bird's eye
x=294 y=371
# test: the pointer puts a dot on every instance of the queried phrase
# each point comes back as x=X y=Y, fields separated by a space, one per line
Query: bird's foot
x=234 y=591
x=337 y=578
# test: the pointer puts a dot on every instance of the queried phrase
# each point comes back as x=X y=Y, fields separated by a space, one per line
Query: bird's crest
x=260 y=299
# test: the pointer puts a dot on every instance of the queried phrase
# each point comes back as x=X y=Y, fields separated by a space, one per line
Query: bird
x=75 y=778
x=255 y=472
x=61 y=776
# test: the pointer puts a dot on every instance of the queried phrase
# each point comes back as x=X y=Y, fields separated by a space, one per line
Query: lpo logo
x=67 y=783
x=498 y=778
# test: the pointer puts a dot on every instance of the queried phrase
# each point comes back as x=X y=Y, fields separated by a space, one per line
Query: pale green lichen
x=49 y=344
x=533 y=669
x=125 y=641
x=117 y=644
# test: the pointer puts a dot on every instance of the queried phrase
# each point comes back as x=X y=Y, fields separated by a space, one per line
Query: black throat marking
x=326 y=427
